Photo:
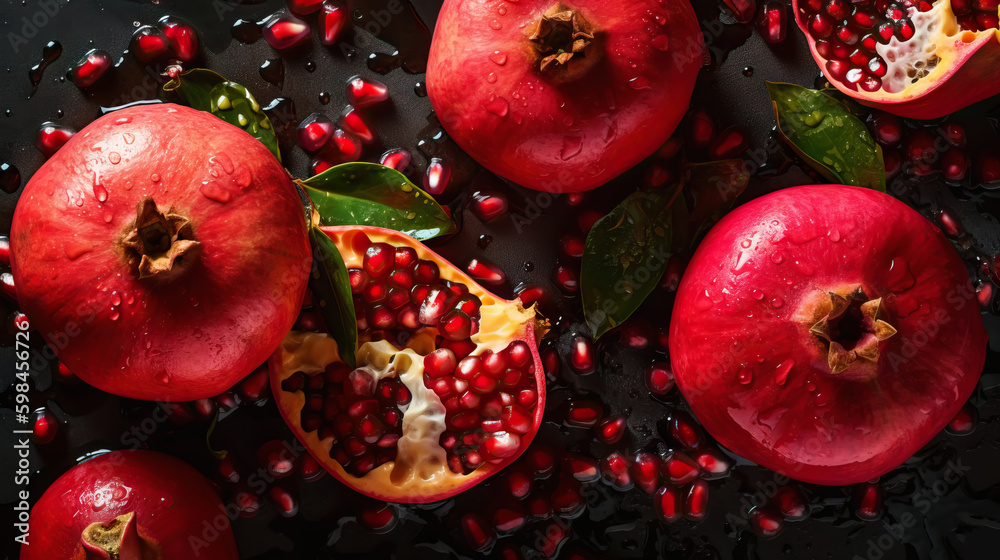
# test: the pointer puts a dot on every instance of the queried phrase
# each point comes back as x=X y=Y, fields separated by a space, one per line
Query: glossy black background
x=963 y=522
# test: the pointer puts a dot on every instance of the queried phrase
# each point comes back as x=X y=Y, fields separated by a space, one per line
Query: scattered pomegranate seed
x=586 y=220
x=255 y=387
x=950 y=224
x=679 y=469
x=352 y=121
x=488 y=205
x=699 y=129
x=893 y=162
x=276 y=458
x=567 y=500
x=478 y=534
x=332 y=21
x=519 y=483
x=581 y=468
x=283 y=500
x=45 y=426
x=730 y=143
x=954 y=164
x=635 y=335
x=437 y=176
x=571 y=246
x=542 y=462
x=21 y=323
x=7 y=285
x=772 y=25
x=310 y=469
x=90 y=68
x=696 y=501
x=886 y=128
x=485 y=272
x=509 y=518
x=581 y=356
x=984 y=293
x=668 y=504
x=567 y=280
x=791 y=503
x=247 y=502
x=148 y=43
x=610 y=430
x=364 y=93
x=304 y=7
x=378 y=518
x=615 y=472
x=283 y=30
x=227 y=469
x=714 y=464
x=741 y=10
x=396 y=158
x=183 y=38
x=953 y=133
x=530 y=294
x=539 y=507
x=575 y=199
x=766 y=522
x=686 y=431
x=964 y=422
x=645 y=471
x=867 y=500
x=51 y=137
x=988 y=167
x=659 y=378
x=656 y=176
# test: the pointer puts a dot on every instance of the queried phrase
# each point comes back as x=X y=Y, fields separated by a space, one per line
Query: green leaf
x=625 y=255
x=207 y=91
x=374 y=195
x=331 y=289
x=712 y=189
x=824 y=133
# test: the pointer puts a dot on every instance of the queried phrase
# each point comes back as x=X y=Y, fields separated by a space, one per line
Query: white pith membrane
x=420 y=468
x=910 y=61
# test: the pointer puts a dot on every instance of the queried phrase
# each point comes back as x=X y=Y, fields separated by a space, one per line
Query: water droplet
x=502 y=9
x=777 y=258
x=746 y=243
x=224 y=103
x=154 y=178
x=166 y=501
x=529 y=266
x=115 y=158
x=498 y=57
x=834 y=236
x=116 y=299
x=214 y=191
x=100 y=193
x=123 y=120
x=745 y=376
x=164 y=378
x=241 y=118
x=757 y=294
x=492 y=79
x=114 y=315
x=324 y=97
x=748 y=71
x=640 y=83
x=661 y=43
x=119 y=493
x=224 y=161
x=496 y=25
x=810 y=386
x=704 y=302
x=497 y=106
x=128 y=138
x=108 y=216
x=781 y=372
x=804 y=268
x=777 y=302
x=484 y=241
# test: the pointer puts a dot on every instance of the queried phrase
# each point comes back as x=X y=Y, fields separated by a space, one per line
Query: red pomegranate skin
x=188 y=336
x=491 y=98
x=759 y=380
x=174 y=506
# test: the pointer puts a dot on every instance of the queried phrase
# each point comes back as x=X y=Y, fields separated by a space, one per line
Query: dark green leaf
x=824 y=133
x=207 y=91
x=331 y=289
x=712 y=189
x=374 y=195
x=625 y=256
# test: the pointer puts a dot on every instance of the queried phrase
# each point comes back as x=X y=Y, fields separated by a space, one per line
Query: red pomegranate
x=563 y=97
x=161 y=252
x=921 y=59
x=826 y=332
x=449 y=387
x=130 y=505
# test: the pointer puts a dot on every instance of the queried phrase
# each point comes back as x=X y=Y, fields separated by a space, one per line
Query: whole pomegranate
x=130 y=505
x=449 y=387
x=921 y=59
x=826 y=332
x=563 y=97
x=161 y=252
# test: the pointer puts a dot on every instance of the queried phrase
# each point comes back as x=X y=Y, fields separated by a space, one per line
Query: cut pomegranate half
x=449 y=386
x=921 y=59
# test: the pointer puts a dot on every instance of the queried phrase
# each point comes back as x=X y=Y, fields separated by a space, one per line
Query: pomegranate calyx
x=161 y=241
x=852 y=329
x=117 y=539
x=562 y=37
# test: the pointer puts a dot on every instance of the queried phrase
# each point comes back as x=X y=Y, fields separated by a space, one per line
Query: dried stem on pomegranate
x=873 y=330
x=162 y=241
x=117 y=539
x=562 y=37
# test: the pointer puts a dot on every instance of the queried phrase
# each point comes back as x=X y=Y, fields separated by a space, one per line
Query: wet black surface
x=956 y=517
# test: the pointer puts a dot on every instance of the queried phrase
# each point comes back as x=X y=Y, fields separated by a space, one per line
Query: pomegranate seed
x=509 y=518
x=964 y=422
x=656 y=176
x=539 y=508
x=696 y=501
x=837 y=70
x=183 y=38
x=838 y=9
x=332 y=21
x=766 y=522
x=520 y=484
x=572 y=246
x=461 y=348
x=553 y=537
x=846 y=35
x=646 y=471
x=314 y=132
x=567 y=280
x=730 y=143
x=352 y=121
x=582 y=355
x=437 y=176
x=700 y=129
x=51 y=137
x=867 y=501
x=4 y=250
x=791 y=503
x=984 y=293
x=426 y=272
x=396 y=158
x=550 y=362
x=148 y=43
x=542 y=462
x=615 y=472
x=478 y=534
x=904 y=30
x=342 y=148
x=988 y=167
x=893 y=162
x=567 y=500
x=920 y=147
x=511 y=552
x=488 y=205
x=581 y=468
x=679 y=469
x=686 y=431
x=21 y=323
x=373 y=293
x=283 y=501
x=276 y=458
x=821 y=25
x=378 y=518
x=45 y=426
x=90 y=68
x=668 y=504
x=227 y=469
x=886 y=128
x=502 y=445
x=247 y=502
x=635 y=335
x=659 y=378
x=953 y=133
x=485 y=272
x=283 y=30
x=987 y=20
x=954 y=164
x=455 y=325
x=586 y=220
x=714 y=464
x=610 y=430
x=364 y=93
x=304 y=7
x=310 y=469
x=583 y=413
x=741 y=10
x=379 y=260
x=255 y=387
x=961 y=7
